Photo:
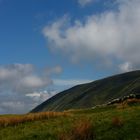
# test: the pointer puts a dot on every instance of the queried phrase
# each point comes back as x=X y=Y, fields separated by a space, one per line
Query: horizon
x=47 y=47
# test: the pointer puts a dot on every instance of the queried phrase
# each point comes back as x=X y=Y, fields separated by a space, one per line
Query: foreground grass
x=15 y=120
x=103 y=123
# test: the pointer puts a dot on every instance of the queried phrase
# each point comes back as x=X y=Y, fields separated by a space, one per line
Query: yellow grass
x=16 y=120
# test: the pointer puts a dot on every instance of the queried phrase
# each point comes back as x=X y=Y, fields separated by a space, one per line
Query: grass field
x=116 y=122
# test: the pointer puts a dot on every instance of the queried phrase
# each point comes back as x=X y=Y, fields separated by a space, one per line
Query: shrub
x=81 y=130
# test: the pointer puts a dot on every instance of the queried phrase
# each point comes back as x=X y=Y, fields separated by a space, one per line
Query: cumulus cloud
x=22 y=87
x=41 y=96
x=32 y=81
x=19 y=103
x=70 y=82
x=84 y=2
x=126 y=67
x=54 y=70
x=106 y=38
x=11 y=71
x=21 y=78
x=11 y=107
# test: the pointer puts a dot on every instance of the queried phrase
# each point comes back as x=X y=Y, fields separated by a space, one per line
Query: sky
x=47 y=46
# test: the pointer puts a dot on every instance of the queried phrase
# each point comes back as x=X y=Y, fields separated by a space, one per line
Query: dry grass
x=81 y=130
x=16 y=120
x=127 y=103
x=133 y=101
x=117 y=122
x=122 y=105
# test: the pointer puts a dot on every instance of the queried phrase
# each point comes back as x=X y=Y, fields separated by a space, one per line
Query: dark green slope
x=94 y=93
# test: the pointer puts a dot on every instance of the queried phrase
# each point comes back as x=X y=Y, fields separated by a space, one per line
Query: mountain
x=94 y=93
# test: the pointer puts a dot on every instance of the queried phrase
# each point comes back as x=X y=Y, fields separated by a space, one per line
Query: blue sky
x=47 y=46
x=21 y=27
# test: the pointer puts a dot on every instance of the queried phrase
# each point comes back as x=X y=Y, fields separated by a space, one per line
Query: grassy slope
x=102 y=119
x=98 y=92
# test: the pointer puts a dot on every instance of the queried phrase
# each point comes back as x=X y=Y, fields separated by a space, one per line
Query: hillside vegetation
x=114 y=122
x=94 y=93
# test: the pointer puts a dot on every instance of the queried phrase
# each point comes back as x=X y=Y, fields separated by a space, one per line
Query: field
x=115 y=122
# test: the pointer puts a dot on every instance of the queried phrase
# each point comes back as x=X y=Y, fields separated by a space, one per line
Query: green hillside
x=94 y=93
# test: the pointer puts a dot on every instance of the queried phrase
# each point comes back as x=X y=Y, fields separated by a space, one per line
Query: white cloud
x=12 y=71
x=84 y=2
x=21 y=78
x=22 y=87
x=7 y=107
x=126 y=67
x=70 y=82
x=105 y=38
x=33 y=81
x=35 y=94
x=41 y=96
x=19 y=103
x=54 y=70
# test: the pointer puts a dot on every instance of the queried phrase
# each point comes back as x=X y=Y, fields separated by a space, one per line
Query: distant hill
x=94 y=93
